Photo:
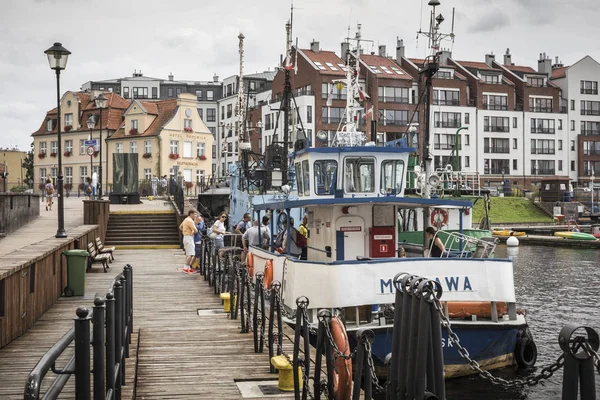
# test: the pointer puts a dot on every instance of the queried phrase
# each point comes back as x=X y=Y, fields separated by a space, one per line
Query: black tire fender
x=69 y=292
x=526 y=352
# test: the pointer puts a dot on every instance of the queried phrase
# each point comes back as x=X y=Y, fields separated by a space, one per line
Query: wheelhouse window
x=359 y=175
x=299 y=179
x=325 y=176
x=306 y=177
x=392 y=173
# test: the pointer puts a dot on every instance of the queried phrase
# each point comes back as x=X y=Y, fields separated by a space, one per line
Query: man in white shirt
x=252 y=237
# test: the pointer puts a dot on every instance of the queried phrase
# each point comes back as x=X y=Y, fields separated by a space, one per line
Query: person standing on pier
x=436 y=247
x=218 y=229
x=199 y=221
x=188 y=228
x=49 y=193
x=244 y=224
x=303 y=230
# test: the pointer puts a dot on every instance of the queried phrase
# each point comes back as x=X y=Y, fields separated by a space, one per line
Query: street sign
x=92 y=143
x=90 y=150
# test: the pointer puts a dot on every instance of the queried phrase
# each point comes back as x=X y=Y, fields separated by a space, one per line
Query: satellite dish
x=322 y=135
x=434 y=180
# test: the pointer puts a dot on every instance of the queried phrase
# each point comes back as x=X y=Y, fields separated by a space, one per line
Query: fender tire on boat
x=526 y=352
x=342 y=374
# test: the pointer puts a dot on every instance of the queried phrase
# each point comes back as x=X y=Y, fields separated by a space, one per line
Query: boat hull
x=575 y=235
x=416 y=237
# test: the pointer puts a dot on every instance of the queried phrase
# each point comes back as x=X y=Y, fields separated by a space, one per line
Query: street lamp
x=91 y=123
x=592 y=178
x=57 y=58
x=101 y=101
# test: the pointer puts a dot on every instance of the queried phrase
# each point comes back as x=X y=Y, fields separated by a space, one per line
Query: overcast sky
x=194 y=39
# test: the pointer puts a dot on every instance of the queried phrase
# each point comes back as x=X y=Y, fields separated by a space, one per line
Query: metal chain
x=592 y=353
x=545 y=374
x=371 y=365
x=336 y=350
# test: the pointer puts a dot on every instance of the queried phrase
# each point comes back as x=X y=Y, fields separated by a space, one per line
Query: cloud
x=489 y=22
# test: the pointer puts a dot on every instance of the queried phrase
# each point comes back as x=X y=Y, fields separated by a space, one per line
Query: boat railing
x=468 y=246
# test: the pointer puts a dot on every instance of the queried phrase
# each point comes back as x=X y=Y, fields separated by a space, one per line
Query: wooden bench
x=102 y=249
x=96 y=257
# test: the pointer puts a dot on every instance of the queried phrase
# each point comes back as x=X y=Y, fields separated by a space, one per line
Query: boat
x=575 y=235
x=507 y=232
x=352 y=193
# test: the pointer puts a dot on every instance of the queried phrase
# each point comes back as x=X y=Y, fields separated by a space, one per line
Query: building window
x=155 y=93
x=53 y=172
x=69 y=146
x=119 y=148
x=535 y=81
x=199 y=95
x=174 y=147
x=69 y=175
x=560 y=124
x=572 y=104
x=268 y=120
x=43 y=147
x=50 y=125
x=572 y=165
x=572 y=145
x=229 y=110
x=495 y=145
x=147 y=147
x=211 y=114
x=559 y=144
x=542 y=167
x=222 y=112
x=212 y=130
x=309 y=114
x=214 y=151
x=467 y=119
x=229 y=90
x=467 y=140
x=126 y=92
x=495 y=103
x=82 y=146
x=514 y=122
x=200 y=149
x=447 y=120
x=54 y=147
x=446 y=97
x=560 y=168
x=187 y=123
x=572 y=125
x=537 y=104
x=494 y=79
x=68 y=120
x=147 y=173
x=393 y=95
x=539 y=125
x=443 y=75
x=324 y=90
x=590 y=107
x=134 y=124
x=467 y=161
x=515 y=144
x=389 y=117
x=496 y=124
x=542 y=147
x=514 y=165
x=200 y=175
x=133 y=147
x=83 y=174
x=589 y=87
x=229 y=147
x=178 y=91
x=495 y=166
x=201 y=113
x=590 y=128
x=43 y=176
x=140 y=92
x=170 y=92
x=209 y=95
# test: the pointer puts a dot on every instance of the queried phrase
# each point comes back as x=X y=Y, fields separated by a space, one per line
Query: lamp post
x=91 y=123
x=101 y=101
x=57 y=58
x=592 y=178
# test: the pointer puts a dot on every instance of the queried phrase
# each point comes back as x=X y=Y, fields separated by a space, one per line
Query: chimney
x=557 y=64
x=444 y=54
x=345 y=50
x=382 y=52
x=399 y=49
x=170 y=76
x=215 y=78
x=507 y=58
x=544 y=64
x=489 y=58
x=314 y=46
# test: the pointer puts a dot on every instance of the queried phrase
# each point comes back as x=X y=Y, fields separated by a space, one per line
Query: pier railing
x=112 y=321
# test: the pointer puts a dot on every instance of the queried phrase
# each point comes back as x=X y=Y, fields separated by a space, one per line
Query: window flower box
x=173 y=156
x=202 y=158
x=188 y=129
x=96 y=153
x=189 y=185
x=68 y=128
x=67 y=154
x=68 y=186
x=52 y=154
x=42 y=155
x=133 y=131
x=147 y=155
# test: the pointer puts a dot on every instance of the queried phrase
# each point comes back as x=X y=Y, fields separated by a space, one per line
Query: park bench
x=102 y=249
x=96 y=257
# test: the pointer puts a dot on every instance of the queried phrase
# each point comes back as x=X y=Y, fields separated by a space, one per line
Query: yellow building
x=11 y=161
x=167 y=135
x=77 y=109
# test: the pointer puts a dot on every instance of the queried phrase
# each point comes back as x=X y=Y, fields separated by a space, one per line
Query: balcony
x=547 y=171
x=488 y=128
x=590 y=132
x=590 y=112
x=304 y=93
x=541 y=109
x=496 y=107
x=393 y=122
x=334 y=96
x=588 y=172
x=540 y=150
x=438 y=102
x=444 y=146
x=447 y=124
x=563 y=110
x=591 y=152
x=542 y=130
x=496 y=149
x=589 y=91
x=387 y=99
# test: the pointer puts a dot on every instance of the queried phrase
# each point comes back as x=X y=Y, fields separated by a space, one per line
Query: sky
x=195 y=39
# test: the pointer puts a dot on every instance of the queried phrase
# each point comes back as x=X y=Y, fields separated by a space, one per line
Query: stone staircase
x=142 y=230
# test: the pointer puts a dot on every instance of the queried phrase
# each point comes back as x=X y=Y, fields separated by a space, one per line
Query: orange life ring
x=250 y=264
x=268 y=271
x=439 y=218
x=342 y=372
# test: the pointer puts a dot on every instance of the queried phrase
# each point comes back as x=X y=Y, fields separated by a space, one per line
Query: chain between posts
x=545 y=373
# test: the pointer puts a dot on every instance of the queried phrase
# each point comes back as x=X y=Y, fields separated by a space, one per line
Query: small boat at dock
x=575 y=235
x=508 y=233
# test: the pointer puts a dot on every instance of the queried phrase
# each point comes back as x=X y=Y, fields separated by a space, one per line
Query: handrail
x=113 y=320
x=177 y=192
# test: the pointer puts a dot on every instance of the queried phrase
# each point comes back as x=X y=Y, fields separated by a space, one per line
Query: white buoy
x=512 y=242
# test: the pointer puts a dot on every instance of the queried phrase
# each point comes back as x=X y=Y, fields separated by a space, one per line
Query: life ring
x=342 y=372
x=526 y=352
x=439 y=218
x=268 y=272
x=250 y=264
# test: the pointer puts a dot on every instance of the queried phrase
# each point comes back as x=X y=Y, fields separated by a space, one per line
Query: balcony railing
x=588 y=171
x=447 y=124
x=304 y=93
x=492 y=128
x=388 y=99
x=590 y=132
x=393 y=122
x=539 y=150
x=438 y=102
x=496 y=150
x=590 y=112
x=563 y=110
x=332 y=120
x=546 y=171
x=589 y=91
x=497 y=107
x=591 y=152
x=334 y=96
x=444 y=146
x=541 y=109
x=542 y=130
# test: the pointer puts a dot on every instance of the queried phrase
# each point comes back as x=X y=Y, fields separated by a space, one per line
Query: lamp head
x=91 y=122
x=101 y=101
x=57 y=56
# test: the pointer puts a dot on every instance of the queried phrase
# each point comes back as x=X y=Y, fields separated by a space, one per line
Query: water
x=555 y=286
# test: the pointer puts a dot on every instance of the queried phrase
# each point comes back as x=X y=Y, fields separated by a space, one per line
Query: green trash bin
x=77 y=261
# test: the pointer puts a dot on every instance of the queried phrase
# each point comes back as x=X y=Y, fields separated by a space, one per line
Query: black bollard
x=82 y=354
x=424 y=337
x=403 y=314
x=242 y=304
x=439 y=384
x=110 y=342
x=394 y=364
x=413 y=338
x=99 y=349
x=579 y=361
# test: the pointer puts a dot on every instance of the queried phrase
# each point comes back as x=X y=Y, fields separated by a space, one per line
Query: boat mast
x=287 y=94
x=240 y=110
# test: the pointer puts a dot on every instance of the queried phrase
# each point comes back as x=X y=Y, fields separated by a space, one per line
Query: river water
x=555 y=286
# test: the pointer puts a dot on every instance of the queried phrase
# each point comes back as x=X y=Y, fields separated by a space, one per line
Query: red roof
x=387 y=67
x=321 y=59
x=521 y=68
x=558 y=73
x=165 y=110
x=476 y=65
x=150 y=107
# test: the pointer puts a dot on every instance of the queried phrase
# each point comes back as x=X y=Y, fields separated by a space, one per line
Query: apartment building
x=579 y=85
x=77 y=110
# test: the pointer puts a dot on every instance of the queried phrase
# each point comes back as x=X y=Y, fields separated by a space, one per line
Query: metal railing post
x=110 y=342
x=128 y=270
x=99 y=349
x=82 y=354
x=116 y=374
x=123 y=333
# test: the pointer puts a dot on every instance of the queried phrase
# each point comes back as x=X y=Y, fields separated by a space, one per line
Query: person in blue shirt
x=199 y=222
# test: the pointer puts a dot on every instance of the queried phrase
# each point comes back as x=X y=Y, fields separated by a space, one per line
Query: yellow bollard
x=286 y=379
x=226 y=301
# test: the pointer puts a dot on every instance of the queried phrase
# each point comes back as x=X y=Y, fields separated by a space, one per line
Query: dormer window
x=50 y=125
x=493 y=79
x=443 y=74
x=69 y=120
x=134 y=124
x=535 y=81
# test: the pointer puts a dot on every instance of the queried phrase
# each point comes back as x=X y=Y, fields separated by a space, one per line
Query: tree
x=28 y=165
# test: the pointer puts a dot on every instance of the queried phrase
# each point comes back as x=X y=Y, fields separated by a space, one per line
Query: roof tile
x=324 y=57
x=387 y=67
x=166 y=109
